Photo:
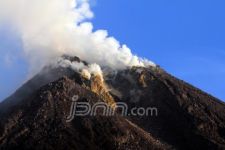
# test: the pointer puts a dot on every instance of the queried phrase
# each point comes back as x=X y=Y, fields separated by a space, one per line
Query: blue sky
x=185 y=37
x=13 y=68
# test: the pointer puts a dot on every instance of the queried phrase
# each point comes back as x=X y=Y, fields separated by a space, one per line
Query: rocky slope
x=35 y=116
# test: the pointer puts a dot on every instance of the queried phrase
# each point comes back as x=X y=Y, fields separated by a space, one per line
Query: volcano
x=35 y=116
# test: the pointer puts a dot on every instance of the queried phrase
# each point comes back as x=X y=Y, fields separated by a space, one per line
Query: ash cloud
x=51 y=28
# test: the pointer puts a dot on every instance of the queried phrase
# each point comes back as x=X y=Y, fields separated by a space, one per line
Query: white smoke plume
x=52 y=28
x=86 y=70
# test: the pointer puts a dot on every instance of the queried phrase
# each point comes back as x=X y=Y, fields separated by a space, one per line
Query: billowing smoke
x=52 y=28
x=86 y=70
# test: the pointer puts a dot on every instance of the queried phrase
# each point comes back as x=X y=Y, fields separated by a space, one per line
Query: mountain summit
x=181 y=116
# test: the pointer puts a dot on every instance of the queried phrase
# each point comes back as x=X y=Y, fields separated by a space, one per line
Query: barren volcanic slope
x=35 y=116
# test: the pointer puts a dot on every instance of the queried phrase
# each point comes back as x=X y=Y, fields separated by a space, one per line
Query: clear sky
x=185 y=37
